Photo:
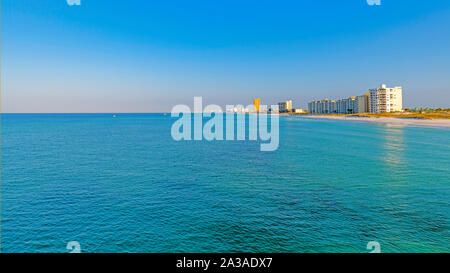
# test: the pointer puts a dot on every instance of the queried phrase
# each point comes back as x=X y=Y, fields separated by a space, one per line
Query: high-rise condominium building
x=285 y=106
x=386 y=99
x=257 y=104
x=363 y=103
x=325 y=106
x=346 y=106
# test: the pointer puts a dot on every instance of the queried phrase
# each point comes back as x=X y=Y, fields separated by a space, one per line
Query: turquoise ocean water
x=123 y=185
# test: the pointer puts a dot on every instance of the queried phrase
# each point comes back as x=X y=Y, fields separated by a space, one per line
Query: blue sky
x=147 y=56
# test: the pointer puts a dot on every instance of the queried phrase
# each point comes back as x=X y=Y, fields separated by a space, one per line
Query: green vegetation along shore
x=407 y=113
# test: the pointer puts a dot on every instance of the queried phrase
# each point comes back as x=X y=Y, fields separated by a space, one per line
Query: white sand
x=441 y=123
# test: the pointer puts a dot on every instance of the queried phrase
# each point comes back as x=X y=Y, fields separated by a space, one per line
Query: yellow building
x=256 y=104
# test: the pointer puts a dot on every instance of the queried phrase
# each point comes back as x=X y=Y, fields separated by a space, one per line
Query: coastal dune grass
x=405 y=114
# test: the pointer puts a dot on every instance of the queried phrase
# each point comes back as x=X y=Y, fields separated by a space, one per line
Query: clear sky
x=147 y=56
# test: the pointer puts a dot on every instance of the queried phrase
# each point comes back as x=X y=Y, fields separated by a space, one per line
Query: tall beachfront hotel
x=386 y=99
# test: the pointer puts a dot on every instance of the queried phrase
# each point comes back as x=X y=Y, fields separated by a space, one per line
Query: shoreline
x=436 y=123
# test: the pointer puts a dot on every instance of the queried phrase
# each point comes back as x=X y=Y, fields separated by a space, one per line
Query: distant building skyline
x=379 y=100
x=143 y=56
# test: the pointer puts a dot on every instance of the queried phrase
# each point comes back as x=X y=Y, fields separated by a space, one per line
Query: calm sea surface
x=123 y=185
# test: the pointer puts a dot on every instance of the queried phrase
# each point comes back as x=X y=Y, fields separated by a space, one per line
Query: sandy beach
x=440 y=123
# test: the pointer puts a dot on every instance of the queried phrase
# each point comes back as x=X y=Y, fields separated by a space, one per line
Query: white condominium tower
x=385 y=99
